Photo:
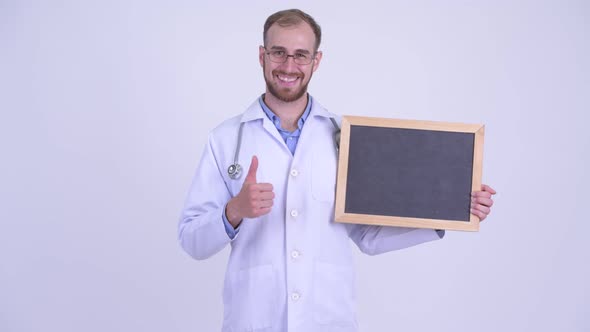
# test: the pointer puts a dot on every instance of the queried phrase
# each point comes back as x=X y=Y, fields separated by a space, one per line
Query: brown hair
x=290 y=17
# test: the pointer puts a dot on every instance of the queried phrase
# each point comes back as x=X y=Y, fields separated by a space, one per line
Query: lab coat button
x=294 y=172
x=295 y=296
x=294 y=213
x=295 y=254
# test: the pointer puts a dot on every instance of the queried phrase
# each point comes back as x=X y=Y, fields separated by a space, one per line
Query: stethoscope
x=235 y=170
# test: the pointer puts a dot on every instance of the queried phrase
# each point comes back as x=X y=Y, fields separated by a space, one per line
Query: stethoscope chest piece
x=234 y=171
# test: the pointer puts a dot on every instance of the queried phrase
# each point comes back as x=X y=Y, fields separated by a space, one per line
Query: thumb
x=251 y=177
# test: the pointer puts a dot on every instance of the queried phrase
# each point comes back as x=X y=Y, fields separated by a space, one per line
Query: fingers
x=487 y=188
x=486 y=191
x=260 y=207
x=482 y=200
x=481 y=208
x=251 y=177
x=484 y=194
x=479 y=214
x=262 y=198
x=261 y=187
x=257 y=198
x=263 y=211
x=266 y=195
x=265 y=203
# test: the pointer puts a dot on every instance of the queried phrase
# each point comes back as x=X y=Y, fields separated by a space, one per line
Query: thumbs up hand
x=253 y=200
x=251 y=177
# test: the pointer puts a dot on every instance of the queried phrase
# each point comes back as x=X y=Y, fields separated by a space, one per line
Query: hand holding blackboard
x=481 y=201
x=410 y=173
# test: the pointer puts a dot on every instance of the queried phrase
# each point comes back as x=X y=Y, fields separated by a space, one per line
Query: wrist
x=231 y=213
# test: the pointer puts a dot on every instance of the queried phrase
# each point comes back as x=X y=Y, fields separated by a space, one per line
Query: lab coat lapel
x=317 y=111
x=255 y=112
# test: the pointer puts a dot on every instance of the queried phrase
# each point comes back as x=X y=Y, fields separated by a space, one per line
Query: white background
x=106 y=105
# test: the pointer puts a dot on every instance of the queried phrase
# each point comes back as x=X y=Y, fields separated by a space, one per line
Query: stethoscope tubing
x=235 y=170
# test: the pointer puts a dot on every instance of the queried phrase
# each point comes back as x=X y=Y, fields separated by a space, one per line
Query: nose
x=290 y=62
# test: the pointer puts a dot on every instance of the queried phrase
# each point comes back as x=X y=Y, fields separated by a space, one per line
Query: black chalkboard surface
x=408 y=173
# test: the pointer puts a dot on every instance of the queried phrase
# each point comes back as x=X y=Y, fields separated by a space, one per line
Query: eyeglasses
x=281 y=56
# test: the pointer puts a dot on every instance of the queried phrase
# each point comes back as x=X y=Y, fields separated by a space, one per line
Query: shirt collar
x=255 y=111
x=277 y=121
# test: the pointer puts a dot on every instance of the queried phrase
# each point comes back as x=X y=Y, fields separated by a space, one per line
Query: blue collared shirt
x=290 y=137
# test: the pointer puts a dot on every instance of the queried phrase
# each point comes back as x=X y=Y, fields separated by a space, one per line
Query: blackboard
x=408 y=173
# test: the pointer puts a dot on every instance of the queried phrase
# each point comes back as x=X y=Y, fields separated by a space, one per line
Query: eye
x=301 y=56
x=278 y=53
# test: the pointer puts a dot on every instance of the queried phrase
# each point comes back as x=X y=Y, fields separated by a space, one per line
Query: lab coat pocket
x=254 y=299
x=323 y=177
x=334 y=296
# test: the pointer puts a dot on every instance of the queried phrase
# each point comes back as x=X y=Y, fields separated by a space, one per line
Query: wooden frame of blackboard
x=392 y=220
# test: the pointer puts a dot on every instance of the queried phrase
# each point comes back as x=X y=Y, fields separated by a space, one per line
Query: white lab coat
x=290 y=270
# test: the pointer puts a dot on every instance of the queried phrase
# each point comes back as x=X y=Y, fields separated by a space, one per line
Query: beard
x=286 y=95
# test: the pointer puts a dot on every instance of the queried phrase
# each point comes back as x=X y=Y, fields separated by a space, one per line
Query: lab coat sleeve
x=374 y=240
x=201 y=231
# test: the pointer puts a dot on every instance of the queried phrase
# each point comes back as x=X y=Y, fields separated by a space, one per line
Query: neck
x=288 y=112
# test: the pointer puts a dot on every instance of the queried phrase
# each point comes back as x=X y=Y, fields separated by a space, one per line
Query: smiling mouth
x=287 y=78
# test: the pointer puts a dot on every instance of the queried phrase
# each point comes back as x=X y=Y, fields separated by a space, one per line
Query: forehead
x=299 y=36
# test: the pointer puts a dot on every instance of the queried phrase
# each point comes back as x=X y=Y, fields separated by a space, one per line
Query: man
x=290 y=267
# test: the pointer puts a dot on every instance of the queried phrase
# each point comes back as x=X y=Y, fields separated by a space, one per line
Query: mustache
x=280 y=72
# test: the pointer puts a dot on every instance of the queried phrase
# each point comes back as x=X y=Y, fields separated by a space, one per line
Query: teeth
x=287 y=78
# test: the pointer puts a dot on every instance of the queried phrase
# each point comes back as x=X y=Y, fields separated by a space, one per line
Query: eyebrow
x=280 y=48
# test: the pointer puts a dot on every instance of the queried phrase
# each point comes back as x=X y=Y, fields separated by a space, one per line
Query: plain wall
x=106 y=106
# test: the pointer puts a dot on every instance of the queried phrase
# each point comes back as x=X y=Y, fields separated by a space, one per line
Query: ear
x=261 y=51
x=317 y=60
